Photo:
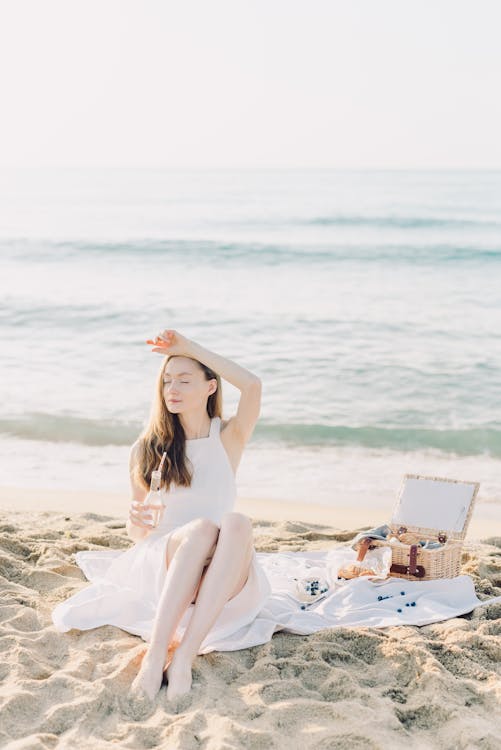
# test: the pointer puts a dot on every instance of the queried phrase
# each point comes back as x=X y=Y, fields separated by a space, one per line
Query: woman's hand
x=170 y=342
x=140 y=514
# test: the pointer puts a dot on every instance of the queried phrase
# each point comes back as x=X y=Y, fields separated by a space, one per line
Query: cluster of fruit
x=390 y=596
x=311 y=589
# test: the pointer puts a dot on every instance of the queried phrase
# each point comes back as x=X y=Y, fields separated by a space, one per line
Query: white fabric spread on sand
x=125 y=585
x=349 y=603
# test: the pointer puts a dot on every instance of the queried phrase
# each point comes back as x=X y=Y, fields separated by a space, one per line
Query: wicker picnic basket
x=410 y=560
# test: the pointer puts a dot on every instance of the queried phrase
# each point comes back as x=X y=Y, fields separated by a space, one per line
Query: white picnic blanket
x=348 y=603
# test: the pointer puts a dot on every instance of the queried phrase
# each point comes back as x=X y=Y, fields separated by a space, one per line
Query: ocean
x=368 y=302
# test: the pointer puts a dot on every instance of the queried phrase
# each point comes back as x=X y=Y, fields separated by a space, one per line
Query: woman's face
x=184 y=385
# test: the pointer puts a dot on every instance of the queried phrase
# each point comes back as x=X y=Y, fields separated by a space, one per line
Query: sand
x=435 y=686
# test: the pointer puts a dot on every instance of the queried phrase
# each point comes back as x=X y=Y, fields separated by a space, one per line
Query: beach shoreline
x=486 y=520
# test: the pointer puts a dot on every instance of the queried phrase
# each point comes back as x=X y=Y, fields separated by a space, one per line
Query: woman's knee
x=202 y=533
x=238 y=524
x=198 y=535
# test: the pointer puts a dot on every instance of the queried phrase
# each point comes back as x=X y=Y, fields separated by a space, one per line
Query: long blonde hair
x=164 y=432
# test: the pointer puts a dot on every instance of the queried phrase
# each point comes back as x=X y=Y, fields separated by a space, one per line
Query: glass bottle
x=155 y=500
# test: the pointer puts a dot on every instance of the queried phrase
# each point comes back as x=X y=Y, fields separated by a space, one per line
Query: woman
x=201 y=556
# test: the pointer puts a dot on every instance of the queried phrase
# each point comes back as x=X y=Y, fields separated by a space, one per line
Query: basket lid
x=430 y=505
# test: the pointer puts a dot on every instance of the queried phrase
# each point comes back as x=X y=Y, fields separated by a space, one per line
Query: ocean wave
x=468 y=441
x=19 y=314
x=254 y=253
x=57 y=428
x=71 y=429
x=402 y=222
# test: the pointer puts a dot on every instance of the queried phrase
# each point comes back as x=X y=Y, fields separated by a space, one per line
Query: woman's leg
x=192 y=545
x=225 y=577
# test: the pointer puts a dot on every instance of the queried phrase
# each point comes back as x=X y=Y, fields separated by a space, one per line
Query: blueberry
x=379 y=598
x=407 y=604
x=399 y=610
x=413 y=604
x=402 y=593
x=303 y=606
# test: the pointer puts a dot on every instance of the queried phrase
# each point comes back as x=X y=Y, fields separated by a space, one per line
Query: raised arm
x=243 y=422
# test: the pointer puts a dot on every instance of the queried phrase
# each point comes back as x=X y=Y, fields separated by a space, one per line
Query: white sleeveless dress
x=126 y=584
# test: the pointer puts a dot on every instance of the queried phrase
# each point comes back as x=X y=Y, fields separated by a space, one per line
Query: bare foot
x=149 y=678
x=179 y=676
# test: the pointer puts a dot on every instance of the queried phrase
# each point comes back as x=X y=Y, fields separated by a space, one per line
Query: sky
x=385 y=84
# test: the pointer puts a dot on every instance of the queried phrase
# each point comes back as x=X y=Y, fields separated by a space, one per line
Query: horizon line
x=256 y=168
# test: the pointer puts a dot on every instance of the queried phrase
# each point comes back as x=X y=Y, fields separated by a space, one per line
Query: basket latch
x=412 y=569
x=442 y=537
x=413 y=560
